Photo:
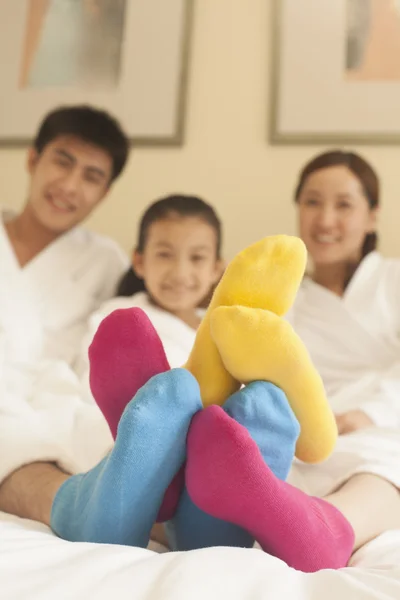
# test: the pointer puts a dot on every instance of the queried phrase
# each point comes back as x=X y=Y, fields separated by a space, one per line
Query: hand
x=353 y=420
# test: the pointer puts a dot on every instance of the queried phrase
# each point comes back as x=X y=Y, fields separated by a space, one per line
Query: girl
x=175 y=265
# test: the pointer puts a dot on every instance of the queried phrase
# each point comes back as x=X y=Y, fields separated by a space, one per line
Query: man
x=54 y=274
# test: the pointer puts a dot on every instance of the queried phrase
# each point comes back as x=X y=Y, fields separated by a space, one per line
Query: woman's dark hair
x=361 y=169
x=184 y=206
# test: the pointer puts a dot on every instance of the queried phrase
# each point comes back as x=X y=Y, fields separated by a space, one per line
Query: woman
x=347 y=313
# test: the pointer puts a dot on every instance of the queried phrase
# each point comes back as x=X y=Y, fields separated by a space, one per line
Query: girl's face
x=334 y=216
x=179 y=264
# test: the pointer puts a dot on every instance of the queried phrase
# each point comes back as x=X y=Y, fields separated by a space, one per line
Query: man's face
x=69 y=178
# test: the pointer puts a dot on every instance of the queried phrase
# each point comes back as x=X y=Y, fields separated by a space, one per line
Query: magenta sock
x=227 y=477
x=125 y=353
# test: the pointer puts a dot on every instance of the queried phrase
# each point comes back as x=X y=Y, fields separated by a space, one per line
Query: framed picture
x=129 y=57
x=336 y=71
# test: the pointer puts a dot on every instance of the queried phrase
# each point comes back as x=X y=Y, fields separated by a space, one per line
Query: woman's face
x=334 y=216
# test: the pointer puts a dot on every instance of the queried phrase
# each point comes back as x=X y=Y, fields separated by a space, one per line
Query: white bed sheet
x=36 y=565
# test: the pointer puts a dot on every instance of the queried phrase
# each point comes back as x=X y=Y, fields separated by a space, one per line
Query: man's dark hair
x=90 y=124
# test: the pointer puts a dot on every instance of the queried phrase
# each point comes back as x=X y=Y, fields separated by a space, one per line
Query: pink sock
x=227 y=477
x=125 y=353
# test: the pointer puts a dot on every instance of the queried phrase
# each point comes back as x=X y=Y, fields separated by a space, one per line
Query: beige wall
x=226 y=157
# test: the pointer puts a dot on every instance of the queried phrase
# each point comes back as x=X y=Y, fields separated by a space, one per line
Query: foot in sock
x=258 y=345
x=125 y=353
x=265 y=275
x=264 y=411
x=227 y=477
x=118 y=500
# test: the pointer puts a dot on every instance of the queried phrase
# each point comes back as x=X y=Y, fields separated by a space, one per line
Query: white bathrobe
x=44 y=306
x=354 y=342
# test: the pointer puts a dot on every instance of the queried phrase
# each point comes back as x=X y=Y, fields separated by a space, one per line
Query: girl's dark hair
x=361 y=169
x=184 y=206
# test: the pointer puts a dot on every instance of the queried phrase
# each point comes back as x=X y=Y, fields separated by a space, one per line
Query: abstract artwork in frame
x=129 y=57
x=336 y=72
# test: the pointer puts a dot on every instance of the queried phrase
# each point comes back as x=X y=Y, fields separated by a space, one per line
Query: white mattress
x=36 y=565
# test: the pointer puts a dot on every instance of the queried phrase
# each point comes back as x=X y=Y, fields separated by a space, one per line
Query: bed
x=36 y=565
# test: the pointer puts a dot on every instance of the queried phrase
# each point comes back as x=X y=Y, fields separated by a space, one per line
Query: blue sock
x=117 y=502
x=191 y=528
x=264 y=411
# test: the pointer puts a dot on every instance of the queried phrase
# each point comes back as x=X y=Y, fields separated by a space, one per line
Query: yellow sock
x=256 y=345
x=265 y=275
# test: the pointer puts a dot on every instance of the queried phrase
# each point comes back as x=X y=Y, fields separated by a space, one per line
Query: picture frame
x=335 y=72
x=128 y=57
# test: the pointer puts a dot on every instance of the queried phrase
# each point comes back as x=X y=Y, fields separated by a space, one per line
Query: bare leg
x=158 y=535
x=371 y=504
x=29 y=492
